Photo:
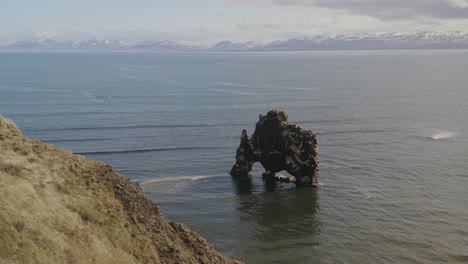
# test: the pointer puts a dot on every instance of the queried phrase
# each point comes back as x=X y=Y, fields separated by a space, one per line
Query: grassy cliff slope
x=56 y=207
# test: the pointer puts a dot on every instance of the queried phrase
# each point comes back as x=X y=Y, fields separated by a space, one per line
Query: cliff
x=57 y=207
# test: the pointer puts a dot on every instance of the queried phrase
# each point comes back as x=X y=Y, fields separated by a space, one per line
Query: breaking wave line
x=142 y=150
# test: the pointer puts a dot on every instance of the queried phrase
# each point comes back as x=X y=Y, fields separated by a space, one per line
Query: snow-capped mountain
x=102 y=44
x=234 y=46
x=418 y=40
x=99 y=44
x=40 y=43
x=51 y=44
x=164 y=45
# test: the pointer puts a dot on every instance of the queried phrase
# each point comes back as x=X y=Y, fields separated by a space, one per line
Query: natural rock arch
x=279 y=145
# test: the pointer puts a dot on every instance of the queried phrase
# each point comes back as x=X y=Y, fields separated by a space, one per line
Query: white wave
x=314 y=88
x=227 y=84
x=143 y=78
x=365 y=192
x=268 y=86
x=134 y=68
x=231 y=92
x=93 y=98
x=127 y=69
x=138 y=78
x=176 y=179
x=443 y=135
x=26 y=89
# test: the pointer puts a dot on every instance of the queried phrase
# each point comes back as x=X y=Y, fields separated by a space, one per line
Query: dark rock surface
x=279 y=146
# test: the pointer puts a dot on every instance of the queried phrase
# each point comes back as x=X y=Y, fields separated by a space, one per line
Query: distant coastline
x=390 y=41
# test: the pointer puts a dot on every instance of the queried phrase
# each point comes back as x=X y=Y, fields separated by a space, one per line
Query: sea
x=392 y=129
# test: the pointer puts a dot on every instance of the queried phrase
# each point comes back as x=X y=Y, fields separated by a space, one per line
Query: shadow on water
x=279 y=219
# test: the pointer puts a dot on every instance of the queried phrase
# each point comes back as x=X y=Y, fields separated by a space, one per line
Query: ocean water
x=392 y=129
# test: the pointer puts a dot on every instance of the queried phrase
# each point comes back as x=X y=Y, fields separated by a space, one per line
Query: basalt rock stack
x=279 y=146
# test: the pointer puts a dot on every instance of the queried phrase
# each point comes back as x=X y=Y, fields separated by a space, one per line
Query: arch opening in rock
x=279 y=146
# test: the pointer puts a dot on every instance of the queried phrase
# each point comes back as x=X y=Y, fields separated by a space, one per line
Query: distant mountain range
x=235 y=46
x=99 y=44
x=388 y=41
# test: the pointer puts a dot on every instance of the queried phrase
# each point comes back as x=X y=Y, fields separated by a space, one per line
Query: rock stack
x=279 y=146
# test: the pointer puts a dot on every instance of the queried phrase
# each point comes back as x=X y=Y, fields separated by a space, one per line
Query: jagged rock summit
x=279 y=146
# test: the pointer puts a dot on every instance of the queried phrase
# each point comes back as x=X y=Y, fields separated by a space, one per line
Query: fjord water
x=392 y=129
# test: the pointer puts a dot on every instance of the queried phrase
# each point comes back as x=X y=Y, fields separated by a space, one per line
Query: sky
x=209 y=21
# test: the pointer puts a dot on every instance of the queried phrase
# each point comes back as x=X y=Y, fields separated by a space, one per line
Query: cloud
x=386 y=9
x=458 y=3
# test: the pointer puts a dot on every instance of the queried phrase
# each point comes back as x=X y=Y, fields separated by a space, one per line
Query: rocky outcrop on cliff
x=57 y=207
x=279 y=146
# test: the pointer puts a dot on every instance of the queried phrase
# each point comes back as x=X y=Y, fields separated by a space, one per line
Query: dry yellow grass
x=56 y=207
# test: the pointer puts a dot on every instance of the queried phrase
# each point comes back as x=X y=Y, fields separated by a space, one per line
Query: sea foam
x=443 y=135
x=177 y=179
